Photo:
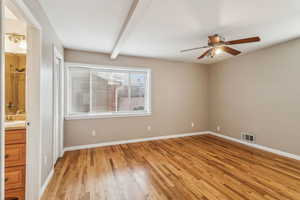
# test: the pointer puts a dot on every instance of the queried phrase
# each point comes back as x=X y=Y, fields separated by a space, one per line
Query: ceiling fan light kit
x=217 y=44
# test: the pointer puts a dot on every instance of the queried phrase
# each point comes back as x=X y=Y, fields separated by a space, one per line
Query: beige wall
x=179 y=97
x=49 y=38
x=260 y=93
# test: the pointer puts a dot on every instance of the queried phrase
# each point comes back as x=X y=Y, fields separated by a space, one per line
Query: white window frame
x=93 y=115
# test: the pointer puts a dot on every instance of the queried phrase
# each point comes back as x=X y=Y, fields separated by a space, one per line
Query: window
x=99 y=91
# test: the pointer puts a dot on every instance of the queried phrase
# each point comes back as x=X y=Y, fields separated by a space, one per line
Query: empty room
x=150 y=100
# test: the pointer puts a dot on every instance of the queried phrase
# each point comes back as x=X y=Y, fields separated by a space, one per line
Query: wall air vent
x=247 y=137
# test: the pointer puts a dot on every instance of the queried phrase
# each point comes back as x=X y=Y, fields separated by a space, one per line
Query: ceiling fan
x=217 y=44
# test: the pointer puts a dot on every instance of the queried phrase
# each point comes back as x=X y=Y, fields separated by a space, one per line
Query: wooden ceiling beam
x=135 y=13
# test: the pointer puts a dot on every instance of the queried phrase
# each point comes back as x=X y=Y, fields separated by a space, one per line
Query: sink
x=15 y=117
x=14 y=124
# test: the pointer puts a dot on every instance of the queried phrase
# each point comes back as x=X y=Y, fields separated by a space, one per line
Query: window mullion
x=91 y=89
x=147 y=92
x=69 y=88
x=129 y=90
x=108 y=92
x=116 y=100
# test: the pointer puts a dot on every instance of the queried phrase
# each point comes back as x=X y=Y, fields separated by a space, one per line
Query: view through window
x=103 y=91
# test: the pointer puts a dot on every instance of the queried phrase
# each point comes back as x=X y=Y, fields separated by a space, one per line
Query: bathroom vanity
x=15 y=162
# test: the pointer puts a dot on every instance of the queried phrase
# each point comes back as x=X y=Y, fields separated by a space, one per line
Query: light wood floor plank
x=199 y=167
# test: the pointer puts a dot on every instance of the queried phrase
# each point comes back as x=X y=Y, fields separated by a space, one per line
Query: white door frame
x=2 y=107
x=58 y=117
x=34 y=55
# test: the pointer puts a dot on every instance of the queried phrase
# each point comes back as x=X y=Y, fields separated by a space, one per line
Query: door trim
x=60 y=114
x=2 y=100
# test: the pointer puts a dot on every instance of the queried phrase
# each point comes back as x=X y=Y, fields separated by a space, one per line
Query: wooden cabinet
x=15 y=136
x=15 y=163
x=14 y=177
x=15 y=155
x=18 y=193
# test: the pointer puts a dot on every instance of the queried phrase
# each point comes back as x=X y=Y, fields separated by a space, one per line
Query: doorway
x=20 y=100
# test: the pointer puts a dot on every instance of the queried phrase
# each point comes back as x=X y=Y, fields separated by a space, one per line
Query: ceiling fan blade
x=205 y=54
x=231 y=50
x=245 y=40
x=193 y=49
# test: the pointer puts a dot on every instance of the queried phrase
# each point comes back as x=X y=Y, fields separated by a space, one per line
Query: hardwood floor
x=200 y=167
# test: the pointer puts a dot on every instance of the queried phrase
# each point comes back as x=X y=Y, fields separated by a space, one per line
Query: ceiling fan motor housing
x=216 y=40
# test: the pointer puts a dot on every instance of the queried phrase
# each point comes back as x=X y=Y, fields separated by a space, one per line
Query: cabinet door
x=14 y=178
x=15 y=136
x=18 y=193
x=15 y=155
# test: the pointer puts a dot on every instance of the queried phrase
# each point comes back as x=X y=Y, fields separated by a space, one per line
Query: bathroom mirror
x=15 y=80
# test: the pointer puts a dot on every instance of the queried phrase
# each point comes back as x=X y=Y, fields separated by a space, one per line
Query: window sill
x=106 y=115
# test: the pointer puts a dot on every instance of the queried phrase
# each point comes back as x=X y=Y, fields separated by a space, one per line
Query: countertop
x=15 y=125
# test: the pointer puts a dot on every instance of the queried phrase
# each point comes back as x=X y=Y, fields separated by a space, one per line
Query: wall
x=49 y=38
x=259 y=92
x=14 y=26
x=179 y=97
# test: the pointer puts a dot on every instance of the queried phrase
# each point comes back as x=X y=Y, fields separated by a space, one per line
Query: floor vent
x=248 y=137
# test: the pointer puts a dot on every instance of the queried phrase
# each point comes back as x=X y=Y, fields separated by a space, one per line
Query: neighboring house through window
x=100 y=91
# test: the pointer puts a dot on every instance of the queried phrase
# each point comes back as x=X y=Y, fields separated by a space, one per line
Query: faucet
x=10 y=105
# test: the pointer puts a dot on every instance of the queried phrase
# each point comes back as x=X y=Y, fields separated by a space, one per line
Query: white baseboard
x=73 y=148
x=44 y=186
x=275 y=151
x=261 y=147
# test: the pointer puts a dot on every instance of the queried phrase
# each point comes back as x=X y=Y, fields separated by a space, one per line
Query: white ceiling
x=167 y=26
x=9 y=14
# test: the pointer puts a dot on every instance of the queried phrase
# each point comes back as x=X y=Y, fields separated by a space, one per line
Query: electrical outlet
x=94 y=133
x=149 y=128
x=218 y=128
x=192 y=124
